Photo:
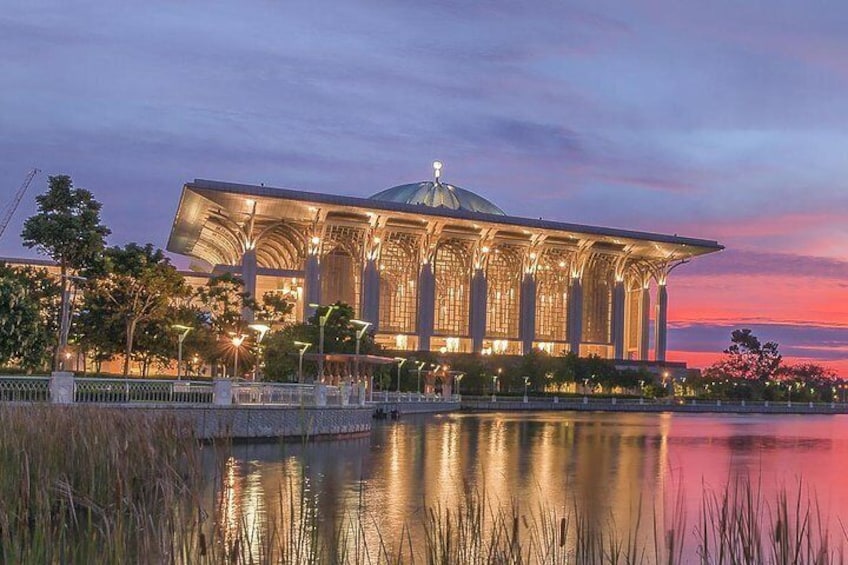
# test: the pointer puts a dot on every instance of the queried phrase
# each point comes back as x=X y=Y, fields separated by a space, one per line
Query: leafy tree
x=139 y=284
x=67 y=229
x=282 y=355
x=28 y=306
x=747 y=358
x=97 y=326
x=223 y=299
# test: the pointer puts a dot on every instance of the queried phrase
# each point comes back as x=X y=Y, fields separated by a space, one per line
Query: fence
x=25 y=389
x=126 y=391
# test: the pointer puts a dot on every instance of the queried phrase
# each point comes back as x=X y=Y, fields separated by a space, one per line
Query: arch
x=552 y=279
x=399 y=282
x=503 y=274
x=452 y=269
x=598 y=280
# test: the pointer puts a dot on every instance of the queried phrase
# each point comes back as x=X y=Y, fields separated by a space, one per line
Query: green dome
x=437 y=194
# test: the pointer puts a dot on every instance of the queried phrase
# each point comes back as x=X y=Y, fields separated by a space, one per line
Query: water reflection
x=606 y=465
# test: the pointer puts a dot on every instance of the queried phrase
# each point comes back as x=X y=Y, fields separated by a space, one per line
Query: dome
x=437 y=194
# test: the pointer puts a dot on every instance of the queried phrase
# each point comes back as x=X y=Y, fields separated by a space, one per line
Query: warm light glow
x=250 y=202
x=452 y=344
x=485 y=249
x=316 y=240
x=238 y=340
x=401 y=341
x=546 y=346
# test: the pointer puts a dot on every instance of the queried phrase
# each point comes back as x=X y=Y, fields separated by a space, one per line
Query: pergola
x=348 y=367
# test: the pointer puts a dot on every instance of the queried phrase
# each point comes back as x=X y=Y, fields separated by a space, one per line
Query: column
x=662 y=323
x=311 y=285
x=527 y=325
x=371 y=293
x=248 y=277
x=477 y=309
x=426 y=305
x=645 y=324
x=618 y=298
x=575 y=314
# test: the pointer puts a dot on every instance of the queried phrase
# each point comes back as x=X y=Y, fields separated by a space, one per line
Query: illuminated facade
x=435 y=267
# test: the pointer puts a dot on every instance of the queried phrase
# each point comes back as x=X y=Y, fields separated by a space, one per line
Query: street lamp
x=363 y=327
x=494 y=384
x=303 y=347
x=322 y=321
x=237 y=341
x=458 y=379
x=526 y=382
x=180 y=339
x=418 y=368
x=400 y=361
x=262 y=329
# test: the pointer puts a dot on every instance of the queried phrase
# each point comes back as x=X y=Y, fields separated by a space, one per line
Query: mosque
x=435 y=267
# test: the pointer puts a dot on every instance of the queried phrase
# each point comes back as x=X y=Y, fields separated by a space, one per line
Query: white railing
x=281 y=394
x=25 y=389
x=395 y=397
x=122 y=391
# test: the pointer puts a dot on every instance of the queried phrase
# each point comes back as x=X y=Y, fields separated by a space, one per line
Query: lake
x=608 y=468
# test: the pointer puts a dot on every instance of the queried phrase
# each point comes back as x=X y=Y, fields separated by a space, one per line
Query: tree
x=282 y=355
x=140 y=283
x=747 y=358
x=28 y=306
x=97 y=327
x=67 y=229
x=223 y=300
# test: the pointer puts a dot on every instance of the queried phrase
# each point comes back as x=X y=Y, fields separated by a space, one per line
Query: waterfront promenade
x=246 y=410
x=688 y=405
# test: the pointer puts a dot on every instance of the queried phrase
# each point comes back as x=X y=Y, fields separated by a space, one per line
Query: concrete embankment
x=264 y=422
x=697 y=407
x=417 y=407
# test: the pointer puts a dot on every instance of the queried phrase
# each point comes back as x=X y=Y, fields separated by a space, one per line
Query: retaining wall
x=263 y=422
x=417 y=407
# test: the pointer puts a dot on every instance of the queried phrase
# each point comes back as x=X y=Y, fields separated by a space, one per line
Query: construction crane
x=16 y=200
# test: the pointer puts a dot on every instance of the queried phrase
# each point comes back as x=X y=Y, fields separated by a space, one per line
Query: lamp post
x=237 y=341
x=322 y=321
x=400 y=361
x=494 y=384
x=458 y=379
x=180 y=339
x=262 y=329
x=526 y=382
x=418 y=368
x=303 y=347
x=363 y=327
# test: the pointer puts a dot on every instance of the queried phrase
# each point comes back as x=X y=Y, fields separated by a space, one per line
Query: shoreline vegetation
x=105 y=486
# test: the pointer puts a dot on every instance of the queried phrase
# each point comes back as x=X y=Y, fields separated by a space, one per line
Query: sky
x=722 y=120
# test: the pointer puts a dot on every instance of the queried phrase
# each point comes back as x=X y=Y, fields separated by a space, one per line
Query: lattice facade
x=552 y=279
x=452 y=267
x=399 y=260
x=503 y=273
x=598 y=280
x=341 y=264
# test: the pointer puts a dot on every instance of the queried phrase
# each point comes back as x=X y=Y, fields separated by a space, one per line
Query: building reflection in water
x=607 y=467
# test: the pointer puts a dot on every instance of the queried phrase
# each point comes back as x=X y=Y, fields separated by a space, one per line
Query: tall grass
x=88 y=485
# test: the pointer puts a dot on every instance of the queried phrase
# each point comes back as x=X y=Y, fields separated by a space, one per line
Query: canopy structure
x=434 y=267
